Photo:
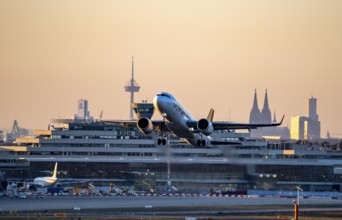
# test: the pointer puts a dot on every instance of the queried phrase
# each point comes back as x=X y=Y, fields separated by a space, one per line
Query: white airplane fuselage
x=45 y=181
x=177 y=120
x=176 y=117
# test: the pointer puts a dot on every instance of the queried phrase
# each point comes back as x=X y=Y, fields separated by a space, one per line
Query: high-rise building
x=307 y=127
x=314 y=129
x=299 y=128
x=82 y=110
x=314 y=125
x=312 y=108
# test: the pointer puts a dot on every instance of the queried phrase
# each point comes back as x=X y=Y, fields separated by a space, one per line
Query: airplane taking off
x=177 y=120
x=48 y=180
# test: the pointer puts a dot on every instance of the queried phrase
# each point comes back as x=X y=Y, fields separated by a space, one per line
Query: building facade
x=109 y=153
x=307 y=127
x=299 y=128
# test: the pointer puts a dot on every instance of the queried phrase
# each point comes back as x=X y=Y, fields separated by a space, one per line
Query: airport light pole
x=298 y=189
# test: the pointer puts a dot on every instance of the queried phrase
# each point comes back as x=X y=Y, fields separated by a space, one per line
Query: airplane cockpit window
x=166 y=95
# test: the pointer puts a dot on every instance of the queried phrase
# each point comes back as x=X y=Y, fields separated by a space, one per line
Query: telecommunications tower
x=132 y=86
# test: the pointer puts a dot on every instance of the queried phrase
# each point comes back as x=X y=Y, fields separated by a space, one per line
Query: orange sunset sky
x=206 y=53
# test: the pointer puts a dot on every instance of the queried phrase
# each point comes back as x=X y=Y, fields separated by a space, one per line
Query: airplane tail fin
x=55 y=171
x=211 y=115
x=101 y=115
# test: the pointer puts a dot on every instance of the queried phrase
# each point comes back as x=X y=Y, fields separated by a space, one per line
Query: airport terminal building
x=110 y=153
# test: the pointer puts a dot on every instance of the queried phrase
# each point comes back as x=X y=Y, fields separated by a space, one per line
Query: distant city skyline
x=209 y=54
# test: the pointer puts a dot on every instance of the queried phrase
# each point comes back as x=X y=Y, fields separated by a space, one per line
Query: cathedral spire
x=266 y=113
x=255 y=102
x=254 y=116
x=266 y=101
x=274 y=117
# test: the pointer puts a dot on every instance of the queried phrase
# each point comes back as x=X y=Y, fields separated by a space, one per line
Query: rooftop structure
x=132 y=86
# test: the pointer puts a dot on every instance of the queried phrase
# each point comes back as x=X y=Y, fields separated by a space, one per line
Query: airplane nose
x=155 y=102
x=158 y=102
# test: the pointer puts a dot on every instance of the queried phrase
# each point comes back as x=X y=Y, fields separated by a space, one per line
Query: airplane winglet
x=101 y=115
x=282 y=119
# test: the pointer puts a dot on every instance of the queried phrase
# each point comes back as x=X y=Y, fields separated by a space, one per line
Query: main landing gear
x=161 y=141
x=201 y=143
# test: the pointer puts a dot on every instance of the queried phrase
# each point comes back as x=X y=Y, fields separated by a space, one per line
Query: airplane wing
x=157 y=124
x=125 y=123
x=232 y=126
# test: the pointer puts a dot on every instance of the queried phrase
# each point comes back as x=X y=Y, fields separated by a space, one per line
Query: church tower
x=266 y=113
x=274 y=118
x=254 y=116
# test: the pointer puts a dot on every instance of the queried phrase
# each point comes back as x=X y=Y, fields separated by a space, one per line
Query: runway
x=145 y=202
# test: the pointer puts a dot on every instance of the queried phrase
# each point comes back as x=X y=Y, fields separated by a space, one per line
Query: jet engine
x=205 y=126
x=145 y=125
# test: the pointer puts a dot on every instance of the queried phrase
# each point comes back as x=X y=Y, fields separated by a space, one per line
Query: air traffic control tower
x=143 y=109
x=132 y=86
